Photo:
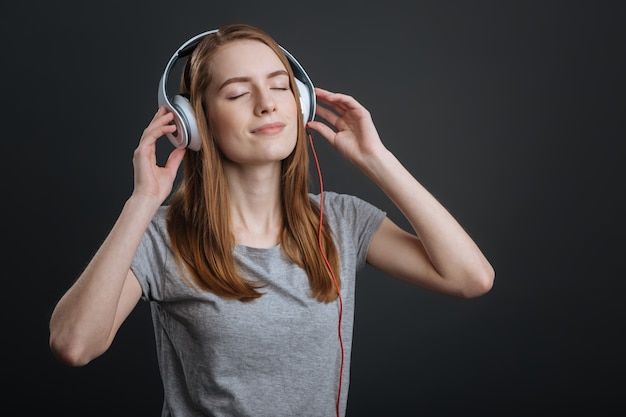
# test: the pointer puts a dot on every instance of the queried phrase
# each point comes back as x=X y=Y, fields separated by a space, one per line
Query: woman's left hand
x=349 y=127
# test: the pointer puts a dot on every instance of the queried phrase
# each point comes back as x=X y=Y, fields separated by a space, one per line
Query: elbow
x=70 y=352
x=479 y=282
x=67 y=355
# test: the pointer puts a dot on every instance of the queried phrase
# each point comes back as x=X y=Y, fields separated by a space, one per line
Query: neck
x=255 y=206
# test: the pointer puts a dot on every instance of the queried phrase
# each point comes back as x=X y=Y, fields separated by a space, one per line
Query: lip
x=269 y=129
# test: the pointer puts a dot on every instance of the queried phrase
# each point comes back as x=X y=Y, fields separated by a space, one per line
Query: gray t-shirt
x=276 y=356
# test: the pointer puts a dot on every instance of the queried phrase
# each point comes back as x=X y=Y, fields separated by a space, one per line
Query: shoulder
x=346 y=211
x=333 y=198
x=157 y=229
x=159 y=221
x=343 y=203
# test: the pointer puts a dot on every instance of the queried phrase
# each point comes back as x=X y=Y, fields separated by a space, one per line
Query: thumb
x=175 y=159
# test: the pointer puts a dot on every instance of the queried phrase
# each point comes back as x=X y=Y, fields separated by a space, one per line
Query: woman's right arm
x=87 y=317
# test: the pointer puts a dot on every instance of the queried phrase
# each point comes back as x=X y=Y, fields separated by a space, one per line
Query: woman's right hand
x=151 y=180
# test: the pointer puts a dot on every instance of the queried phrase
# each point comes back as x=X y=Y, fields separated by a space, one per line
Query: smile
x=269 y=129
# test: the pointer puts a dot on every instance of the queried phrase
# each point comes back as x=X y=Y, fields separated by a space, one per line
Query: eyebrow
x=248 y=79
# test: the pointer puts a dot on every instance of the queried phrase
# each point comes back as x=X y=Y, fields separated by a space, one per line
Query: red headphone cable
x=332 y=273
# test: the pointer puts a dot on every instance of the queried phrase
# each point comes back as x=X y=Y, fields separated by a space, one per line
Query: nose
x=265 y=103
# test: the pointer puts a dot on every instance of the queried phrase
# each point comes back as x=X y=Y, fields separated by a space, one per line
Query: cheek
x=293 y=132
x=293 y=114
x=223 y=125
x=292 y=106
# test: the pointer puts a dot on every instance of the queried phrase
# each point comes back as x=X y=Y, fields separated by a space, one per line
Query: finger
x=328 y=115
x=174 y=160
x=163 y=116
x=157 y=128
x=324 y=130
x=156 y=131
x=325 y=96
x=162 y=110
x=341 y=102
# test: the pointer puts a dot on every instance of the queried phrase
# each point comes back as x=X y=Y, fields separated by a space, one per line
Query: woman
x=242 y=279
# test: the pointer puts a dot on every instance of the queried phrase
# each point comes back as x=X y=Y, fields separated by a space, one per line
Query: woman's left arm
x=440 y=255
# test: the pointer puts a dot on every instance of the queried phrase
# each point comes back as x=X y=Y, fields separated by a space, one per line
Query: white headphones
x=187 y=135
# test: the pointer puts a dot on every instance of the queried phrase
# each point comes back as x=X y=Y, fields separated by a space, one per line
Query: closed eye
x=236 y=96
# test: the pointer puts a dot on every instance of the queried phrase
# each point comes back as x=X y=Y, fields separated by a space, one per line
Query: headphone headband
x=187 y=134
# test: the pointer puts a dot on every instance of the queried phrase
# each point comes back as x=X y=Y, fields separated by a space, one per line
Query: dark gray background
x=511 y=113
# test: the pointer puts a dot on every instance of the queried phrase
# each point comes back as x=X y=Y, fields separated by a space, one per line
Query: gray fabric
x=276 y=356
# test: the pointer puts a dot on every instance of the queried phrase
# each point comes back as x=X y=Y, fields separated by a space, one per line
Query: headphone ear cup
x=304 y=93
x=187 y=134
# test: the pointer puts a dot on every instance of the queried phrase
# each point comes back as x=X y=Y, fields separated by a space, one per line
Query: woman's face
x=250 y=105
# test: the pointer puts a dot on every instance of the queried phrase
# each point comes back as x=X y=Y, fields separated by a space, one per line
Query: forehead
x=243 y=57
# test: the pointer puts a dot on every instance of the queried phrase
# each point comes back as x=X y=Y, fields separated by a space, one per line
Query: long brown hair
x=199 y=216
